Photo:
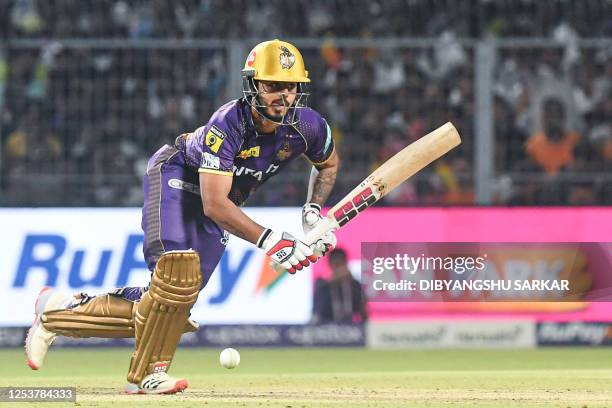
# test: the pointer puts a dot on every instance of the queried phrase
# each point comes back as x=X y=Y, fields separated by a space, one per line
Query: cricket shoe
x=39 y=339
x=158 y=383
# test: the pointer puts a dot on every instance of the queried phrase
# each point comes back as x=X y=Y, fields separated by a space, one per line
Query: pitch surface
x=567 y=377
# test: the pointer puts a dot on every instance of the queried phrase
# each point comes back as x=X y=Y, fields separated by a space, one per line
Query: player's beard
x=277 y=110
x=275 y=117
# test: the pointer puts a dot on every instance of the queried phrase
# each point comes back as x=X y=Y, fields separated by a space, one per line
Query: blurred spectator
x=340 y=299
x=600 y=135
x=552 y=148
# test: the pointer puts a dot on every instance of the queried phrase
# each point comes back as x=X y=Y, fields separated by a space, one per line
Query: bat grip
x=324 y=226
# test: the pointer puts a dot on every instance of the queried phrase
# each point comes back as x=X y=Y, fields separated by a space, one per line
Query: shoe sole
x=180 y=386
x=33 y=327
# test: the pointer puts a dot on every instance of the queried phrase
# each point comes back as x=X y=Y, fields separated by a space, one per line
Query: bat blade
x=387 y=177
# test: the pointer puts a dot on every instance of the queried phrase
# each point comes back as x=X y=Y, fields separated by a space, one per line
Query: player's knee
x=177 y=277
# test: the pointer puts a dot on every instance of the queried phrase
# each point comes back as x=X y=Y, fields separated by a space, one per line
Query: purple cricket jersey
x=173 y=216
x=228 y=144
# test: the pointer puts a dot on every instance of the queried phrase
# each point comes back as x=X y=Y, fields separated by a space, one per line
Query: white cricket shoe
x=158 y=383
x=39 y=339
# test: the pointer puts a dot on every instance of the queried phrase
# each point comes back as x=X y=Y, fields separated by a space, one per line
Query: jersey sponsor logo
x=210 y=161
x=183 y=185
x=258 y=174
x=214 y=138
x=252 y=152
x=285 y=151
x=286 y=58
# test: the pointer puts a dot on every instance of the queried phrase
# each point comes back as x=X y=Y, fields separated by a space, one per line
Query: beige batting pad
x=102 y=316
x=162 y=312
x=105 y=316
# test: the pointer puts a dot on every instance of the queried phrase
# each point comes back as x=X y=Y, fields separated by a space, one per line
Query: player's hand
x=285 y=250
x=311 y=216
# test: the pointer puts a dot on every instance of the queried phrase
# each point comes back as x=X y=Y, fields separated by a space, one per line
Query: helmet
x=277 y=61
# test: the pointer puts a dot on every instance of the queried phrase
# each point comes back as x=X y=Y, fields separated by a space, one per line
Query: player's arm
x=284 y=249
x=322 y=180
x=321 y=152
x=214 y=189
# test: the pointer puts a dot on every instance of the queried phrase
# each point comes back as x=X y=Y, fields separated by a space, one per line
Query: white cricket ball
x=229 y=358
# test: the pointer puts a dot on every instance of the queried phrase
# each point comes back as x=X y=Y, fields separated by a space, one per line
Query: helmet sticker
x=251 y=58
x=286 y=58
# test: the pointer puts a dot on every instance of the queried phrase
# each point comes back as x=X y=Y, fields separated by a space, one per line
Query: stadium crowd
x=553 y=126
x=79 y=122
x=301 y=18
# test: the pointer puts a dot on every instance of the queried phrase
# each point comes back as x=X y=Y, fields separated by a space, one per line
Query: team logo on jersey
x=214 y=138
x=286 y=58
x=285 y=151
x=252 y=152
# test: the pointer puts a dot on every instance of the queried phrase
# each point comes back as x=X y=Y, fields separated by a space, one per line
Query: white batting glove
x=286 y=251
x=311 y=216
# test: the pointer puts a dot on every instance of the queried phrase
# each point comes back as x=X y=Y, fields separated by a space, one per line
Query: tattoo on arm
x=323 y=184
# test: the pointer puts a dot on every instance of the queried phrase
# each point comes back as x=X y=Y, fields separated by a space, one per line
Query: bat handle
x=324 y=226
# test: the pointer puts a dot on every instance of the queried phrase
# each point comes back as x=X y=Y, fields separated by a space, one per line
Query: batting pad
x=102 y=316
x=162 y=312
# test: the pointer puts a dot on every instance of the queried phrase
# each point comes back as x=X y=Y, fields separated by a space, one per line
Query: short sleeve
x=319 y=139
x=219 y=143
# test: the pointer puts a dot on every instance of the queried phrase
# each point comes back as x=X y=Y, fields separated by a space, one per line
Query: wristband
x=262 y=238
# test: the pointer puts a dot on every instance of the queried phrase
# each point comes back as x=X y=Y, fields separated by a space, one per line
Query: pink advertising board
x=562 y=224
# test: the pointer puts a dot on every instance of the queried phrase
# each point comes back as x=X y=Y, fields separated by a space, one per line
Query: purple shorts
x=173 y=217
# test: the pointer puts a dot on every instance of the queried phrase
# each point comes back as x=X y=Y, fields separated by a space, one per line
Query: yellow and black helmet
x=277 y=61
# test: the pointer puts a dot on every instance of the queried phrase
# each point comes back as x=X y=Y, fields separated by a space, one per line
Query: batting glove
x=285 y=250
x=311 y=216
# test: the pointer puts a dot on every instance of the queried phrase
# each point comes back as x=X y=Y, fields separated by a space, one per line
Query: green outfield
x=560 y=377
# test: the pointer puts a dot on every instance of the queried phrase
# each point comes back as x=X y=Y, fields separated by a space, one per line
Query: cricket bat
x=387 y=177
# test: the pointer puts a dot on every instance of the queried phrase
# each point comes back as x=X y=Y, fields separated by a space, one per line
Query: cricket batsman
x=193 y=193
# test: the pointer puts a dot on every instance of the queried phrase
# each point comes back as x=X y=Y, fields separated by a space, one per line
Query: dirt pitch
x=561 y=378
